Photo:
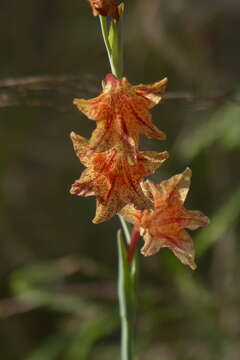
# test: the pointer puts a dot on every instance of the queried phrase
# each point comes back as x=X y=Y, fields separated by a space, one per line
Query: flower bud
x=105 y=8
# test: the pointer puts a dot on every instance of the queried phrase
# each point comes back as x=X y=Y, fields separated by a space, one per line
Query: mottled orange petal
x=112 y=179
x=84 y=186
x=131 y=214
x=81 y=147
x=163 y=226
x=122 y=114
x=180 y=244
x=196 y=220
x=153 y=92
x=172 y=190
x=105 y=8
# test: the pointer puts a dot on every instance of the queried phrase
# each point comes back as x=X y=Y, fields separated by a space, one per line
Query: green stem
x=125 y=229
x=126 y=295
x=104 y=28
x=126 y=335
x=113 y=44
x=127 y=270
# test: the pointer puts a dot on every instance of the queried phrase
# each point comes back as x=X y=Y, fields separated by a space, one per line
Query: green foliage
x=225 y=218
x=222 y=126
x=88 y=323
x=83 y=341
x=79 y=342
x=51 y=348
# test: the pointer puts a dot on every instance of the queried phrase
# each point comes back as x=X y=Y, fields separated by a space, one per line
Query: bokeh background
x=58 y=270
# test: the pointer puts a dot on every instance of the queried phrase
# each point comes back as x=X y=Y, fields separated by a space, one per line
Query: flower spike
x=111 y=178
x=122 y=114
x=165 y=225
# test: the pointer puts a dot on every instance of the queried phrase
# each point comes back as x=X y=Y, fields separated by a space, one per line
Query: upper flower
x=112 y=179
x=122 y=113
x=164 y=226
x=105 y=8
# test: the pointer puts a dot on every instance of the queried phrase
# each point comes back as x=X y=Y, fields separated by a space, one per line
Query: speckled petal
x=181 y=245
x=153 y=92
x=125 y=183
x=131 y=215
x=112 y=179
x=163 y=225
x=183 y=249
x=121 y=113
x=172 y=190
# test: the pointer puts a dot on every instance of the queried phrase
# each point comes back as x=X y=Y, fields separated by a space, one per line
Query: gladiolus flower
x=111 y=178
x=165 y=225
x=105 y=8
x=122 y=114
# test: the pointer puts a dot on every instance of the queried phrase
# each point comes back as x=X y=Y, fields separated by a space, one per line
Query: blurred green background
x=58 y=270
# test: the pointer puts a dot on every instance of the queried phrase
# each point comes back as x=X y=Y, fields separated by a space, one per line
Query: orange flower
x=105 y=8
x=122 y=113
x=112 y=179
x=164 y=226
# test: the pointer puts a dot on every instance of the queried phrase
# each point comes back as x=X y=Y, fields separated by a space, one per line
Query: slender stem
x=127 y=270
x=113 y=44
x=104 y=28
x=126 y=335
x=127 y=278
x=125 y=229
x=126 y=295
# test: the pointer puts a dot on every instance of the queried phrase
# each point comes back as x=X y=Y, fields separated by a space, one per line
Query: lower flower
x=165 y=224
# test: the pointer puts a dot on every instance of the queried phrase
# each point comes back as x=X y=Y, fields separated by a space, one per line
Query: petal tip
x=164 y=82
x=75 y=101
x=187 y=172
x=205 y=220
x=98 y=219
x=72 y=135
x=193 y=266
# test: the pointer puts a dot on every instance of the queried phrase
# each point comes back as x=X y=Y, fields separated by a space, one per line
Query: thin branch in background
x=54 y=91
x=45 y=91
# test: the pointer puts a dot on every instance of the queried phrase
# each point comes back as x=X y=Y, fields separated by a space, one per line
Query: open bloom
x=122 y=114
x=165 y=225
x=105 y=8
x=112 y=179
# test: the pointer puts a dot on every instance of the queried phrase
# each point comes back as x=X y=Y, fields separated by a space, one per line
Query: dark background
x=58 y=270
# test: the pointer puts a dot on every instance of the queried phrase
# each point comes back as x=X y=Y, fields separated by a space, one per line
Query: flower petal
x=81 y=147
x=112 y=179
x=153 y=92
x=125 y=182
x=130 y=214
x=164 y=224
x=180 y=244
x=172 y=190
x=151 y=246
x=183 y=249
x=196 y=220
x=122 y=114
